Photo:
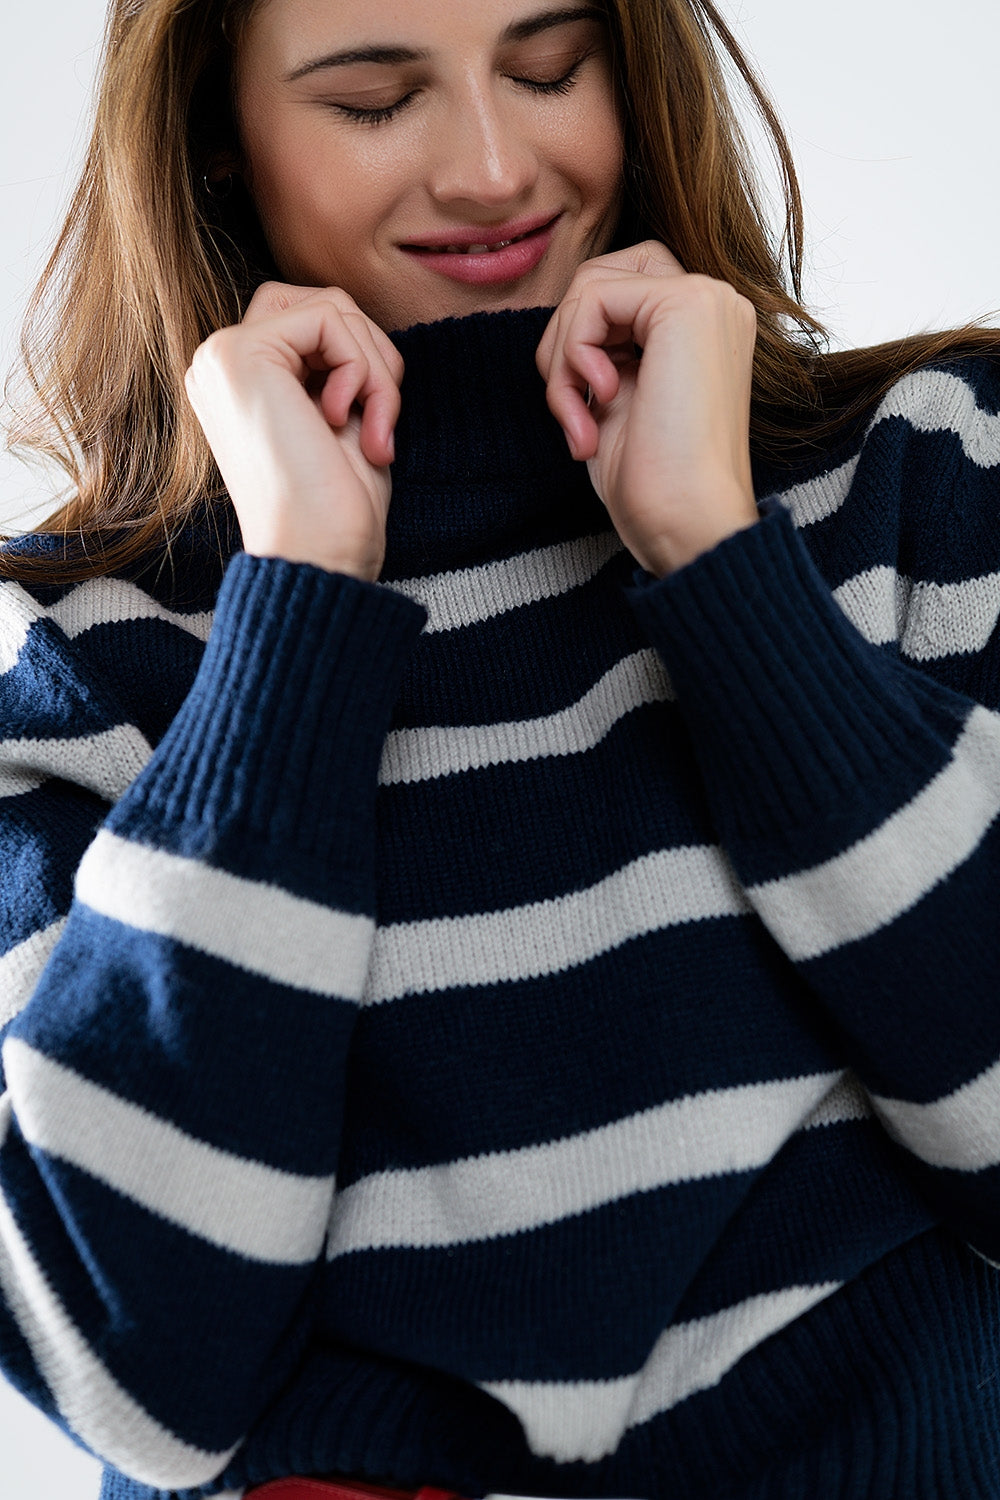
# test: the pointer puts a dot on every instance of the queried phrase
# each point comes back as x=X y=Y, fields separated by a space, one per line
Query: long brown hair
x=147 y=266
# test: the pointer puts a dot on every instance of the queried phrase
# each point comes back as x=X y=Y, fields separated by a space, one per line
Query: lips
x=476 y=241
x=482 y=258
x=485 y=247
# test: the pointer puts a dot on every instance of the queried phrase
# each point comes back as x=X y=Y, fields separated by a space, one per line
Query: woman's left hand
x=665 y=434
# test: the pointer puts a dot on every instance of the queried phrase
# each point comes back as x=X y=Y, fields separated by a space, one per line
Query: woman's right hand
x=299 y=402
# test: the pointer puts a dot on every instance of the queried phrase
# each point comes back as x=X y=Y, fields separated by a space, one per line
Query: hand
x=665 y=434
x=299 y=403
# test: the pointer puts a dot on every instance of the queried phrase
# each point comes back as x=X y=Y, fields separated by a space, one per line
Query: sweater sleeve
x=179 y=981
x=847 y=727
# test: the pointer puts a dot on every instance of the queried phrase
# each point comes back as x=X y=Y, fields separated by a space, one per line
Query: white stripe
x=947 y=619
x=16 y=783
x=18 y=612
x=585 y=1420
x=441 y=750
x=930 y=620
x=508 y=1192
x=875 y=603
x=243 y=1206
x=933 y=401
x=960 y=1131
x=467 y=596
x=889 y=871
x=20 y=967
x=845 y=1102
x=655 y=891
x=105 y=763
x=91 y=1402
x=103 y=601
x=815 y=499
x=257 y=927
x=993 y=1263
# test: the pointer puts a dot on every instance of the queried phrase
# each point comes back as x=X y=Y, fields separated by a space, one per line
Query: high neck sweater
x=520 y=1025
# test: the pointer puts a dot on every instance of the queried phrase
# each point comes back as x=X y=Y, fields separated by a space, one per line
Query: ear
x=223 y=164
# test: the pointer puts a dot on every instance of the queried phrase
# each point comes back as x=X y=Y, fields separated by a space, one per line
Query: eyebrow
x=518 y=31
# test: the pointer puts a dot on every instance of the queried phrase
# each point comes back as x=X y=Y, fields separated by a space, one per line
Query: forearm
x=173 y=1108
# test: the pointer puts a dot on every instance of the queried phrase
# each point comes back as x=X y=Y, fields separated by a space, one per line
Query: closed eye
x=375 y=114
x=560 y=85
x=379 y=114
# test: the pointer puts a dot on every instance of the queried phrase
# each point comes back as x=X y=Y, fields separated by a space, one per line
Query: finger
x=366 y=383
x=343 y=386
x=584 y=366
x=328 y=332
x=550 y=338
x=566 y=393
x=378 y=424
x=276 y=297
x=380 y=397
x=648 y=258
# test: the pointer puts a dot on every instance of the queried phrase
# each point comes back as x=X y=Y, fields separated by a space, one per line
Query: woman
x=526 y=1016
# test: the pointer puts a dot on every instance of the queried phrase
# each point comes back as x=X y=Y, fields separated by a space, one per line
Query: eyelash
x=536 y=85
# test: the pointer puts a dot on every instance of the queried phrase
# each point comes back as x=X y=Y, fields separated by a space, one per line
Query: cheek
x=307 y=206
x=591 y=151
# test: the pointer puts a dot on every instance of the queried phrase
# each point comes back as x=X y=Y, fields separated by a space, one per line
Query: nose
x=485 y=156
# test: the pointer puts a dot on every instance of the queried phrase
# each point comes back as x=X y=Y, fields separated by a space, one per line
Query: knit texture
x=521 y=1025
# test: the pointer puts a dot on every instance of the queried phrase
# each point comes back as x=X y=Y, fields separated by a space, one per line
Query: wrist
x=668 y=554
x=367 y=571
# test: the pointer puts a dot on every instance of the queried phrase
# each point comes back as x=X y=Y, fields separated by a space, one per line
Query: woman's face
x=378 y=133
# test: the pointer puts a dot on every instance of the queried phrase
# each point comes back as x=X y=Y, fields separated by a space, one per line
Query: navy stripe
x=131 y=655
x=835 y=1200
x=501 y=661
x=569 y=1051
x=250 y=1043
x=513 y=1304
x=509 y=862
x=911 y=1045
x=207 y=1333
x=45 y=834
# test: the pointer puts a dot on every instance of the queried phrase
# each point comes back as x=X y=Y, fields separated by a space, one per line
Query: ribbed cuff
x=277 y=745
x=795 y=717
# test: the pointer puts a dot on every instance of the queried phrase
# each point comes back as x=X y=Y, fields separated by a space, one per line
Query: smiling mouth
x=474 y=249
x=480 y=249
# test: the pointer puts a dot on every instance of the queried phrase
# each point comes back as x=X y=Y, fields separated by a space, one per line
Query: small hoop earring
x=220 y=189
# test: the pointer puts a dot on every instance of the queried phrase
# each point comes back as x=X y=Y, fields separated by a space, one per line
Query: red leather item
x=339 y=1489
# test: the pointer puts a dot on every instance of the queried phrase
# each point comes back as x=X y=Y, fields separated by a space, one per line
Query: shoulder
x=179 y=586
x=945 y=417
x=903 y=519
x=84 y=656
x=918 y=472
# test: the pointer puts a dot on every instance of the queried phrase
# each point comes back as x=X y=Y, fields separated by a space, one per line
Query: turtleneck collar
x=482 y=467
x=472 y=386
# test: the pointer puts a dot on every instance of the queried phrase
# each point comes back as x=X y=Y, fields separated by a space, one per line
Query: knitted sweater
x=520 y=1025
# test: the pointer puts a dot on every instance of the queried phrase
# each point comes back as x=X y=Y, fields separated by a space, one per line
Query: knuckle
x=396 y=364
x=343 y=302
x=214 y=351
x=269 y=295
x=746 y=310
x=706 y=288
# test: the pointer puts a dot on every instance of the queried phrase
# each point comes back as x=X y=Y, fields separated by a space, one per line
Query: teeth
x=478 y=249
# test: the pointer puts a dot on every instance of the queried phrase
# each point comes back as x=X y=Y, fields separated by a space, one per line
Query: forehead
x=283 y=23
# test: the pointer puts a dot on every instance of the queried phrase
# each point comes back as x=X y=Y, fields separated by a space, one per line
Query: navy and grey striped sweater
x=521 y=1025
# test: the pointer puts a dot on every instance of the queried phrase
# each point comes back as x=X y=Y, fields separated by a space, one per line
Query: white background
x=890 y=108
